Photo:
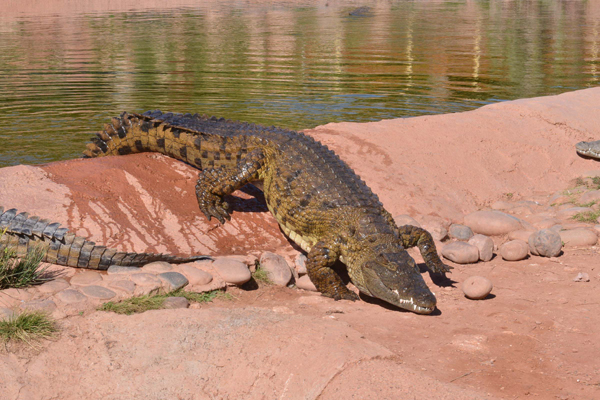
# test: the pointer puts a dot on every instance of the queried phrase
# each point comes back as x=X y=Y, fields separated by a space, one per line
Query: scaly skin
x=21 y=233
x=319 y=202
x=589 y=149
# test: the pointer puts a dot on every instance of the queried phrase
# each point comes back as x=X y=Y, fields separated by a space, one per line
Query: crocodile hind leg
x=328 y=282
x=412 y=236
x=215 y=183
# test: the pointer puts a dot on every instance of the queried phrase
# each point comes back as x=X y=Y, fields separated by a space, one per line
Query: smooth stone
x=145 y=279
x=119 y=269
x=86 y=278
x=582 y=277
x=460 y=232
x=12 y=295
x=98 y=292
x=300 y=264
x=546 y=223
x=588 y=197
x=477 y=287
x=597 y=228
x=520 y=235
x=405 y=219
x=436 y=228
x=126 y=286
x=46 y=305
x=305 y=283
x=521 y=210
x=578 y=237
x=485 y=246
x=157 y=267
x=491 y=223
x=173 y=280
x=176 y=302
x=196 y=276
x=54 y=286
x=545 y=243
x=70 y=296
x=461 y=252
x=569 y=212
x=6 y=314
x=276 y=267
x=514 y=250
x=232 y=271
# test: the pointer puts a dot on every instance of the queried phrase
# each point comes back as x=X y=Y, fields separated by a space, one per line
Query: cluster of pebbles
x=514 y=230
x=75 y=291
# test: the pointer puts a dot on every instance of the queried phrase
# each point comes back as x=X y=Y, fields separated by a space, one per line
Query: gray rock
x=86 y=278
x=477 y=287
x=520 y=235
x=176 y=302
x=157 y=267
x=54 y=286
x=461 y=253
x=232 y=271
x=578 y=237
x=119 y=269
x=545 y=243
x=485 y=245
x=124 y=285
x=276 y=267
x=196 y=276
x=173 y=280
x=514 y=250
x=98 y=292
x=492 y=223
x=144 y=279
x=46 y=305
x=70 y=296
x=460 y=232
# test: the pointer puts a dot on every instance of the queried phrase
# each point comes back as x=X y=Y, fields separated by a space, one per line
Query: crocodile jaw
x=589 y=149
x=401 y=285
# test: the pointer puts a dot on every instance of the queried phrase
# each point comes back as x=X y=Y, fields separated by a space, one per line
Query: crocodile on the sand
x=317 y=199
x=589 y=149
x=21 y=233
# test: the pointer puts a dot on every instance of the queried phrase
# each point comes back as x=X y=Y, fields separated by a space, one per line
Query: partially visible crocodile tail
x=21 y=233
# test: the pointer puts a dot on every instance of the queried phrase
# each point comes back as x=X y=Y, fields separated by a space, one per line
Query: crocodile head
x=395 y=278
x=589 y=149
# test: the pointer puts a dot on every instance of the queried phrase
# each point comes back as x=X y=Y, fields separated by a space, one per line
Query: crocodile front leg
x=320 y=259
x=414 y=236
x=215 y=183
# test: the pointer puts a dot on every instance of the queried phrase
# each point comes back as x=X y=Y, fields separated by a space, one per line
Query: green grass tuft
x=144 y=303
x=22 y=272
x=27 y=327
x=260 y=275
x=589 y=216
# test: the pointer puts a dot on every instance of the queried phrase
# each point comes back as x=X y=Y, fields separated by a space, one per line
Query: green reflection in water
x=297 y=66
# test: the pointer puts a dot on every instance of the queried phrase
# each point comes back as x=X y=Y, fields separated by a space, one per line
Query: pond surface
x=66 y=68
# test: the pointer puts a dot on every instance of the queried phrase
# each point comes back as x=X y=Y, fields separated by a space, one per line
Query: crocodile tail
x=200 y=141
x=138 y=133
x=21 y=234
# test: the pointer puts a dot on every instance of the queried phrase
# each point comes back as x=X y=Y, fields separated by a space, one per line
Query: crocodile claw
x=213 y=206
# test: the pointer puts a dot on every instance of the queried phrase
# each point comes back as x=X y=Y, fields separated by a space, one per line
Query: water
x=66 y=68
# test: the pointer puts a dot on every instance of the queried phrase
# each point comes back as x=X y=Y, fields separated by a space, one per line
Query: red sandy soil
x=536 y=337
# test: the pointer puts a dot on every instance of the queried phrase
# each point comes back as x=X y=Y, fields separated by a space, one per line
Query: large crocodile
x=21 y=233
x=318 y=201
x=589 y=149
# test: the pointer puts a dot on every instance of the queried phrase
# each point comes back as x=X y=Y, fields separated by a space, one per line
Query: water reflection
x=65 y=70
